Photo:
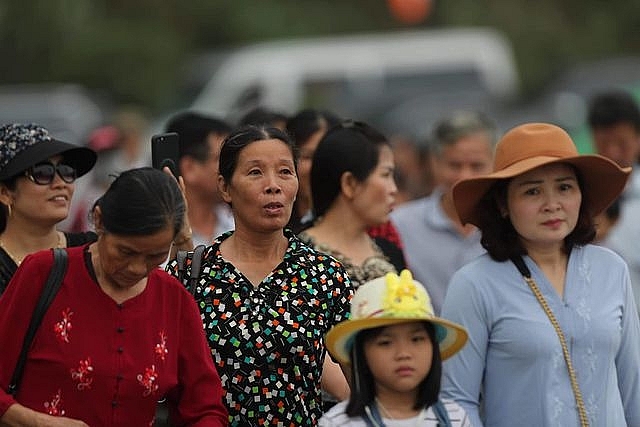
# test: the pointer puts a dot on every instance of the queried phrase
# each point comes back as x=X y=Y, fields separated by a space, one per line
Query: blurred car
x=68 y=110
x=564 y=101
x=373 y=77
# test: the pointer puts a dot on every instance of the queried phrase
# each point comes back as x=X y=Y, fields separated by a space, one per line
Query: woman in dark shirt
x=37 y=175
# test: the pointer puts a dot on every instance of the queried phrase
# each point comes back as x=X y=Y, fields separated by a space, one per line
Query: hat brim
x=603 y=181
x=340 y=338
x=81 y=158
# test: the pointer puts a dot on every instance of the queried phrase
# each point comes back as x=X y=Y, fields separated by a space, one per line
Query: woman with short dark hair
x=120 y=333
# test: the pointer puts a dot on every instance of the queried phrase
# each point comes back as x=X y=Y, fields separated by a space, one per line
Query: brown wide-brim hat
x=531 y=145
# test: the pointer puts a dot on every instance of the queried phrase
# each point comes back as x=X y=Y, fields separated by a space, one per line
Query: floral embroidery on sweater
x=55 y=406
x=148 y=380
x=83 y=375
x=64 y=326
x=161 y=348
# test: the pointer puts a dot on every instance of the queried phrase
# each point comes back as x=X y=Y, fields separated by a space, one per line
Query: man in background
x=614 y=121
x=200 y=141
x=436 y=243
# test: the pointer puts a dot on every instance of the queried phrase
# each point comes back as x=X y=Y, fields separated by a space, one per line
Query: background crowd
x=306 y=219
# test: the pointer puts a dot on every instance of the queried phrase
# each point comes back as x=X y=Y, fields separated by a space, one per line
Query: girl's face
x=374 y=198
x=263 y=186
x=544 y=204
x=41 y=203
x=399 y=358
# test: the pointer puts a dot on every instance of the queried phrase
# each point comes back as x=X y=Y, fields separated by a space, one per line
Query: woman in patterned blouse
x=266 y=298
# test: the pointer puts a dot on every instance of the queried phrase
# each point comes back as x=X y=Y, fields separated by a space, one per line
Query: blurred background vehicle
x=141 y=55
x=564 y=100
x=68 y=111
x=371 y=77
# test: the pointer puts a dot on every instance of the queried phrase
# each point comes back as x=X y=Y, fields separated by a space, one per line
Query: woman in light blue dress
x=554 y=336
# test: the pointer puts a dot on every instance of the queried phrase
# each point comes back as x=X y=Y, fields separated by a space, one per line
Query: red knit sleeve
x=200 y=400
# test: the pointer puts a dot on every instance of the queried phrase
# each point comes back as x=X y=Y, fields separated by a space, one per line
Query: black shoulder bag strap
x=441 y=414
x=51 y=287
x=196 y=263
x=521 y=266
x=181 y=259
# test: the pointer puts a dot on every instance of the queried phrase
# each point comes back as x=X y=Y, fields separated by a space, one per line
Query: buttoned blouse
x=513 y=357
x=103 y=362
x=267 y=341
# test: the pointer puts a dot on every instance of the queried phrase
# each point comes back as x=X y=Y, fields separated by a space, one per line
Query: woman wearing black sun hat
x=37 y=175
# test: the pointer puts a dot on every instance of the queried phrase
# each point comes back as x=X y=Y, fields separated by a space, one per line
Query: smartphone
x=165 y=151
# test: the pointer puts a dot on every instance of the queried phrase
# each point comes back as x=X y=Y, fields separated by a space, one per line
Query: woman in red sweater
x=121 y=333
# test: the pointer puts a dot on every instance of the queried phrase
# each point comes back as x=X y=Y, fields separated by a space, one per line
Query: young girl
x=393 y=346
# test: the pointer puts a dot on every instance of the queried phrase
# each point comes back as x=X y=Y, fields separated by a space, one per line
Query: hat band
x=390 y=314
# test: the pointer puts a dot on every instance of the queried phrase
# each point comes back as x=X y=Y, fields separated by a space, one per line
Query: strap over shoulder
x=49 y=291
x=190 y=261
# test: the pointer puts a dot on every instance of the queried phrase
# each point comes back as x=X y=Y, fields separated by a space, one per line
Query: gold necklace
x=17 y=259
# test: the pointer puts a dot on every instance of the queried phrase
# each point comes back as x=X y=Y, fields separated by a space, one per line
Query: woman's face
x=126 y=260
x=399 y=357
x=263 y=186
x=304 y=164
x=41 y=203
x=544 y=204
x=374 y=198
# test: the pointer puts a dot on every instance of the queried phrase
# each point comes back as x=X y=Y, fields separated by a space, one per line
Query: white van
x=373 y=77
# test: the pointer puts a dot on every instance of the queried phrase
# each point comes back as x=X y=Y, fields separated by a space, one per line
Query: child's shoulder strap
x=441 y=414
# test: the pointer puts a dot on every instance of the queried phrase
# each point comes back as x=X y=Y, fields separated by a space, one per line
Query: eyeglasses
x=44 y=173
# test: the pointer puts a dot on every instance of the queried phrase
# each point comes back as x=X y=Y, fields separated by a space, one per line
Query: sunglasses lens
x=43 y=173
x=67 y=173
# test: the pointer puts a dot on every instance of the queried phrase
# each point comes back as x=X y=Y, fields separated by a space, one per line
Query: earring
x=504 y=214
x=10 y=211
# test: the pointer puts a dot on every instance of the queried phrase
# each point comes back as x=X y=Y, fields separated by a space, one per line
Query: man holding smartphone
x=200 y=141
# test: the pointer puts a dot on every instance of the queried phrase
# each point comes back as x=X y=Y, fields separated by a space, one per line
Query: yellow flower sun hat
x=389 y=300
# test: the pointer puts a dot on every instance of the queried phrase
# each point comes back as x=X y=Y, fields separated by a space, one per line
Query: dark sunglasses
x=44 y=173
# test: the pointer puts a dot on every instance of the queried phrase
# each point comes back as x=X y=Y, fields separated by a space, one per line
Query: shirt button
x=119 y=377
x=120 y=329
x=120 y=349
x=114 y=403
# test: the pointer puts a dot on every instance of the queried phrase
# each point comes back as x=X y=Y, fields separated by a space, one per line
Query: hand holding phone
x=165 y=151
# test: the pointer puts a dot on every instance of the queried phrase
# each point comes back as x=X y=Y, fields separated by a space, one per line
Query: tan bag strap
x=526 y=274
